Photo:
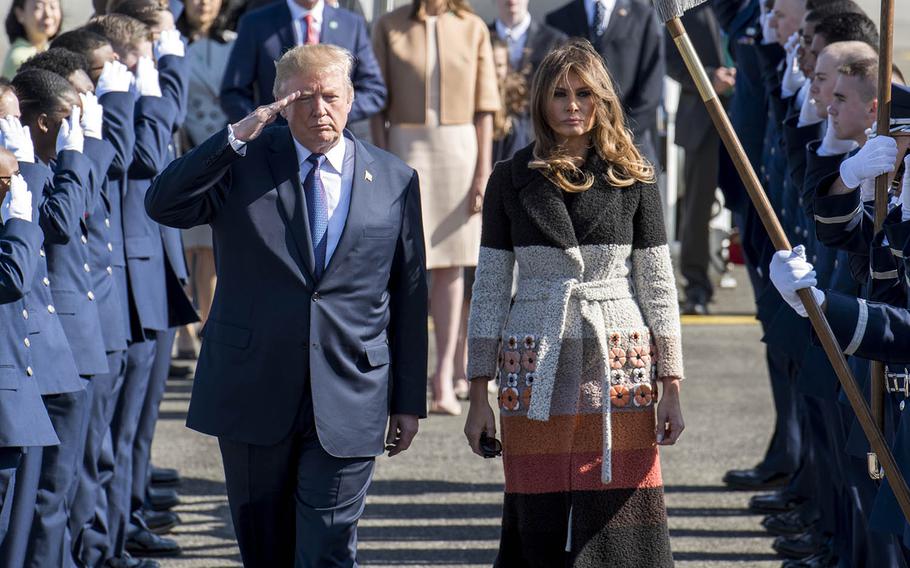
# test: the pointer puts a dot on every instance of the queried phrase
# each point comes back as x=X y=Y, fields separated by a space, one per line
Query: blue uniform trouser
x=139 y=361
x=142 y=448
x=88 y=515
x=9 y=461
x=783 y=454
x=39 y=534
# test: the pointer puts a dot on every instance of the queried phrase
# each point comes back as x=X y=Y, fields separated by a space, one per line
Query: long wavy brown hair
x=610 y=137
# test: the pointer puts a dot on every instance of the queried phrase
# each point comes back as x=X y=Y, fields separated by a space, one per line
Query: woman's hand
x=480 y=415
x=475 y=196
x=669 y=413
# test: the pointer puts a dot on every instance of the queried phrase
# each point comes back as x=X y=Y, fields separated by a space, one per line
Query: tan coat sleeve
x=381 y=50
x=486 y=92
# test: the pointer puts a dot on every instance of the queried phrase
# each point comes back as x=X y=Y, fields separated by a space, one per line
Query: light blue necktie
x=317 y=211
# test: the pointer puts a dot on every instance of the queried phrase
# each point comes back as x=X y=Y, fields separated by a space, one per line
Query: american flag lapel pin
x=367 y=175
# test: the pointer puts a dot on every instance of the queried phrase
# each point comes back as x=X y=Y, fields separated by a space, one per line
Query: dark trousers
x=292 y=503
x=142 y=448
x=88 y=515
x=39 y=534
x=783 y=455
x=140 y=357
x=701 y=184
x=9 y=461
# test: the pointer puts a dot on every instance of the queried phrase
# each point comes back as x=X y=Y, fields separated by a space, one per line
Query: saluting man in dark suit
x=318 y=328
x=264 y=35
x=628 y=36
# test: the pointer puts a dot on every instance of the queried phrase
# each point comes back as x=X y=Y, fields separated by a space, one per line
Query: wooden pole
x=779 y=239
x=886 y=42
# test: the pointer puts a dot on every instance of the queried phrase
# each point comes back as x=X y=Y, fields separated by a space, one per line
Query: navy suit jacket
x=264 y=35
x=23 y=418
x=355 y=341
x=633 y=49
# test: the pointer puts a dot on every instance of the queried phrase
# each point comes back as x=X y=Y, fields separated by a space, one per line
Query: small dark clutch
x=491 y=447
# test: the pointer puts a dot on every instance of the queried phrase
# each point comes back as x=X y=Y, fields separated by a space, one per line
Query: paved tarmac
x=439 y=505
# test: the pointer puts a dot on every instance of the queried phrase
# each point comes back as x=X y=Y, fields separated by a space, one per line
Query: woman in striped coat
x=590 y=337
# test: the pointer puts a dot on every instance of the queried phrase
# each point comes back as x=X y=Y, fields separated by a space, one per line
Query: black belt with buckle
x=898 y=383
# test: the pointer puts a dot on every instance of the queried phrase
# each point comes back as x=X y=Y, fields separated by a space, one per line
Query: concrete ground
x=439 y=505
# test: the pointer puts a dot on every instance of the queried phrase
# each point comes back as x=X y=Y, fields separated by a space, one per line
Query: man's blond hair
x=318 y=58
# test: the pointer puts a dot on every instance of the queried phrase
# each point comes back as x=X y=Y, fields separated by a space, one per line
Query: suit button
x=107 y=223
x=27 y=342
x=51 y=309
x=46 y=282
x=110 y=270
x=86 y=268
x=25 y=314
x=84 y=239
x=316 y=296
x=29 y=372
x=91 y=295
x=903 y=403
x=110 y=247
x=41 y=252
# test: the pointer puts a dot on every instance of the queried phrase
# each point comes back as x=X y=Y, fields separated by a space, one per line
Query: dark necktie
x=600 y=15
x=317 y=211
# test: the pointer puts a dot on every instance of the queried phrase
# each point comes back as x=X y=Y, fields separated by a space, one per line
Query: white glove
x=807 y=113
x=793 y=76
x=875 y=158
x=905 y=191
x=17 y=139
x=147 y=78
x=790 y=271
x=92 y=115
x=832 y=145
x=115 y=78
x=768 y=34
x=169 y=43
x=18 y=202
x=70 y=135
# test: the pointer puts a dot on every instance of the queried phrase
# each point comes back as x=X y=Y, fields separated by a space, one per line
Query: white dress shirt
x=589 y=10
x=337 y=174
x=515 y=37
x=297 y=14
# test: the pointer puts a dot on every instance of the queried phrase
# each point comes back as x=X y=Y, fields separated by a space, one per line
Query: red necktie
x=312 y=34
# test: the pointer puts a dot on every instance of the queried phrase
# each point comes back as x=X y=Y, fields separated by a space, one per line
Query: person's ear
x=873 y=108
x=44 y=123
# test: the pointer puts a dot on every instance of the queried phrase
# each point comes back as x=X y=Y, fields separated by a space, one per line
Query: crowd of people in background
x=93 y=292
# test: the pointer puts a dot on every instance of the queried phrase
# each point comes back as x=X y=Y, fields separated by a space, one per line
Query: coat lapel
x=578 y=20
x=542 y=201
x=285 y=27
x=282 y=159
x=328 y=33
x=618 y=27
x=359 y=211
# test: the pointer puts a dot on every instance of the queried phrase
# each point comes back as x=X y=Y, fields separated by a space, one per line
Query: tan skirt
x=444 y=157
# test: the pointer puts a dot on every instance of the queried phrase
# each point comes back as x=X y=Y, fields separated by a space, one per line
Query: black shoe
x=786 y=524
x=776 y=502
x=127 y=561
x=161 y=499
x=755 y=479
x=159 y=522
x=824 y=559
x=799 y=546
x=178 y=372
x=694 y=308
x=142 y=542
x=165 y=476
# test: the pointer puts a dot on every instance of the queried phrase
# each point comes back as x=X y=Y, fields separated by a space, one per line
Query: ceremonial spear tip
x=669 y=9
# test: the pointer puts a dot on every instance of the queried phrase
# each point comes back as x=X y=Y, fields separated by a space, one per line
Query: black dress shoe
x=694 y=308
x=755 y=479
x=161 y=499
x=776 y=502
x=178 y=371
x=799 y=546
x=824 y=559
x=786 y=524
x=161 y=522
x=143 y=542
x=166 y=476
x=127 y=561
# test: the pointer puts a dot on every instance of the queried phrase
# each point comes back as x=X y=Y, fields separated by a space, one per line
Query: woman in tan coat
x=439 y=120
